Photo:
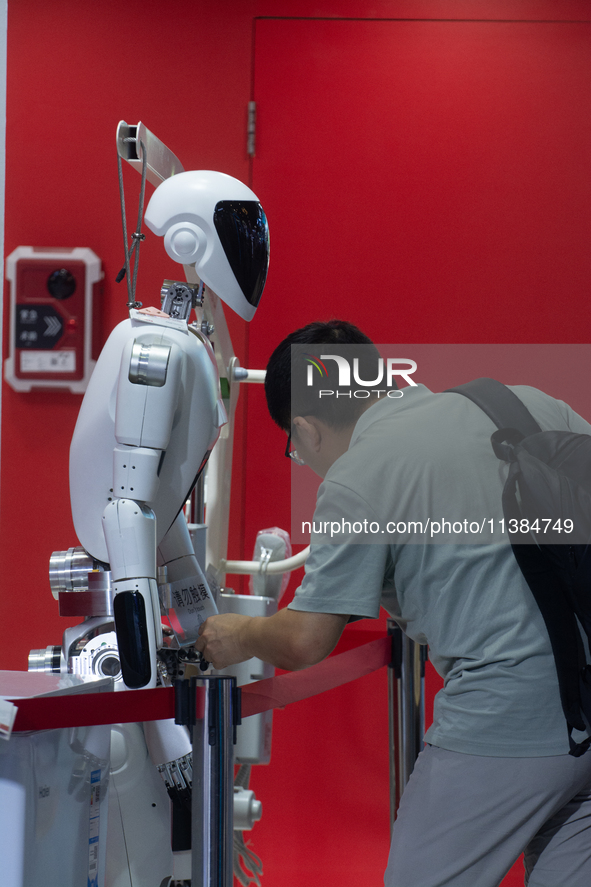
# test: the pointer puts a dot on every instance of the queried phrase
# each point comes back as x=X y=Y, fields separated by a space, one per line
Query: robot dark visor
x=244 y=235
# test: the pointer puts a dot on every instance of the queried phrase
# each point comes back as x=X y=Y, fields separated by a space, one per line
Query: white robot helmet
x=215 y=222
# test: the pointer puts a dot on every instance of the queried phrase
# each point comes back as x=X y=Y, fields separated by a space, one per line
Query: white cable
x=285 y=566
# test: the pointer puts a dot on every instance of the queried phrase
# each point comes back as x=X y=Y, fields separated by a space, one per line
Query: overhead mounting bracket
x=161 y=162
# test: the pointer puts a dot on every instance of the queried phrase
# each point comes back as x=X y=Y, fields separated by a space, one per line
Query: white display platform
x=53 y=792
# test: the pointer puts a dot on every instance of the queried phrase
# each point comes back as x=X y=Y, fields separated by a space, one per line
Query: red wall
x=185 y=69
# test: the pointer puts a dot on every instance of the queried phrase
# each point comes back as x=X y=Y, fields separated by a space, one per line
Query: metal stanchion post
x=393 y=715
x=213 y=784
x=406 y=710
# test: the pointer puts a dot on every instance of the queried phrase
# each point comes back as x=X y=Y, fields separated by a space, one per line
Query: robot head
x=213 y=221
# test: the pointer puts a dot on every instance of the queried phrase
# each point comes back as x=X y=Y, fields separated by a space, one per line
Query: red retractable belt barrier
x=85 y=709
x=328 y=674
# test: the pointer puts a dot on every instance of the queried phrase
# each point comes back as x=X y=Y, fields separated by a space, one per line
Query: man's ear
x=309 y=432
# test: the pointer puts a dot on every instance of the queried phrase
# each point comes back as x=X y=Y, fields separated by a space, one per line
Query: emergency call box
x=53 y=294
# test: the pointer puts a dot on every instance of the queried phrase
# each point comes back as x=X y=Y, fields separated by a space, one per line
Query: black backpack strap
x=500 y=404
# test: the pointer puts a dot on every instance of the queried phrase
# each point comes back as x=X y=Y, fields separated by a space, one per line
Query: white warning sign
x=48 y=361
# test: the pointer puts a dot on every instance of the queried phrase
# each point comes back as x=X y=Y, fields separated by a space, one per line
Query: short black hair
x=278 y=388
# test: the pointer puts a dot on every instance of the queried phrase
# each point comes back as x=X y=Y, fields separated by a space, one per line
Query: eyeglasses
x=292 y=454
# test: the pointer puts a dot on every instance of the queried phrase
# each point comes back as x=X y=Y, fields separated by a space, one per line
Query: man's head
x=294 y=403
x=278 y=387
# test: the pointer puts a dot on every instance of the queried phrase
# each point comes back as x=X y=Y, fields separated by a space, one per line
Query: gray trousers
x=465 y=819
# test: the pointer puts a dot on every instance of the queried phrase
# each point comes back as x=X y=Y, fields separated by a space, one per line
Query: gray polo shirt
x=429 y=455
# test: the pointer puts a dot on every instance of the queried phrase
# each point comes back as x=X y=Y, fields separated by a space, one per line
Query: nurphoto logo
x=385 y=373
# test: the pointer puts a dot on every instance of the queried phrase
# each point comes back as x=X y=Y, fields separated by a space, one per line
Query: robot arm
x=185 y=596
x=147 y=399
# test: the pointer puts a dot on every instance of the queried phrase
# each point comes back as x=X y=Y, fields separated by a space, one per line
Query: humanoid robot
x=153 y=412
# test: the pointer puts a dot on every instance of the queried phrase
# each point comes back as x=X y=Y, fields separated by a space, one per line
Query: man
x=495 y=778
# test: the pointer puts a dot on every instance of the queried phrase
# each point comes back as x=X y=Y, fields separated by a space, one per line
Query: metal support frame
x=213 y=784
x=406 y=710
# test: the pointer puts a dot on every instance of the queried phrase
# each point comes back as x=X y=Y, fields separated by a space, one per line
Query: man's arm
x=290 y=639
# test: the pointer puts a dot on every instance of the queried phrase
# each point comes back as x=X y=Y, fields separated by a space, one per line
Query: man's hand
x=290 y=639
x=219 y=639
